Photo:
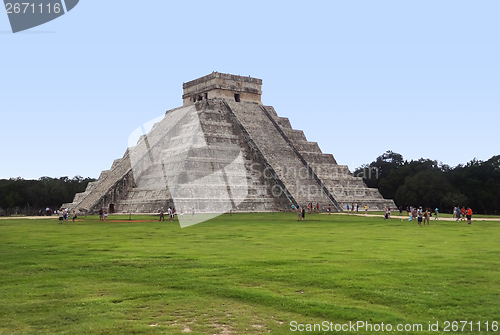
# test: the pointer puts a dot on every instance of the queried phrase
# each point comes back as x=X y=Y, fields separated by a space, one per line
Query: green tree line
x=19 y=195
x=431 y=184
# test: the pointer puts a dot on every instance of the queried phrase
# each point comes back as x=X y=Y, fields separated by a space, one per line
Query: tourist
x=427 y=215
x=74 y=216
x=299 y=213
x=162 y=215
x=357 y=208
x=317 y=207
x=419 y=213
x=61 y=216
x=454 y=211
x=329 y=209
x=293 y=208
x=462 y=213
x=457 y=213
x=469 y=215
x=366 y=209
x=347 y=209
x=303 y=213
x=101 y=215
x=436 y=211
x=169 y=211
x=414 y=213
x=105 y=215
x=387 y=213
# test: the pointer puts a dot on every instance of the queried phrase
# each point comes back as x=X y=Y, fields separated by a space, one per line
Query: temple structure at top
x=224 y=86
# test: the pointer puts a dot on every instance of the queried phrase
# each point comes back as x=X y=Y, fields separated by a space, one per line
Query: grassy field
x=245 y=274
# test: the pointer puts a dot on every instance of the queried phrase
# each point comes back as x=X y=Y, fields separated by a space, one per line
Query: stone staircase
x=344 y=187
x=280 y=155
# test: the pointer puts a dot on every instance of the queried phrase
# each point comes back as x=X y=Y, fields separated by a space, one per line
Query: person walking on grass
x=303 y=214
x=469 y=215
x=436 y=211
x=419 y=213
x=366 y=209
x=61 y=216
x=457 y=213
x=162 y=215
x=299 y=213
x=462 y=212
x=414 y=214
x=329 y=209
x=74 y=216
x=427 y=216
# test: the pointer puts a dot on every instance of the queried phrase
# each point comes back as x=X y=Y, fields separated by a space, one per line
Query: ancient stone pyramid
x=224 y=151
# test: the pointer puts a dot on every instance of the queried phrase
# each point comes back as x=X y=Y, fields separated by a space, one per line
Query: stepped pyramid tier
x=223 y=151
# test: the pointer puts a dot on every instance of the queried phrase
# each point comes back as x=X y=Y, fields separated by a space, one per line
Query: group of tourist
x=48 y=212
x=64 y=215
x=302 y=210
x=460 y=214
x=424 y=216
x=419 y=215
x=171 y=214
x=103 y=215
x=311 y=208
x=353 y=208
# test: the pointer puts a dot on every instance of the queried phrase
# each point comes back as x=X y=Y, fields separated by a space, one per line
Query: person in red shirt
x=462 y=211
x=469 y=215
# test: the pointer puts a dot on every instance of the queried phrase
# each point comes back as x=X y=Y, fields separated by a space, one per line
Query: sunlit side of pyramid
x=224 y=151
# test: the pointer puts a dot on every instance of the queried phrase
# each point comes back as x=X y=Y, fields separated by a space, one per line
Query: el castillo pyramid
x=224 y=151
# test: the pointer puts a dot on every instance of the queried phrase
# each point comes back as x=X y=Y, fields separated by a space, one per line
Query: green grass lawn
x=244 y=274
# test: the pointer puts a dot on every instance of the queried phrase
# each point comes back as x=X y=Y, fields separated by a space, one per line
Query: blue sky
x=359 y=77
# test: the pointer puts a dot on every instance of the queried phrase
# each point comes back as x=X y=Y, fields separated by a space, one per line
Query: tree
x=427 y=189
x=430 y=183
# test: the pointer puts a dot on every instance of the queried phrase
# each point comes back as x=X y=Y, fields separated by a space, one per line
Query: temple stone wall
x=224 y=86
